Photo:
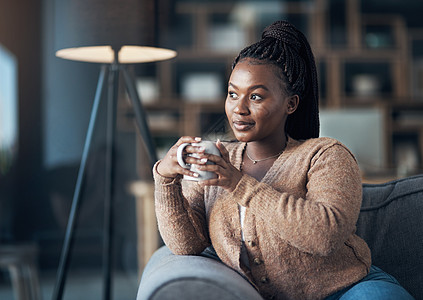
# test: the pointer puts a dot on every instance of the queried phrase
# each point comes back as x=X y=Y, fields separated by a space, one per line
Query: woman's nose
x=241 y=107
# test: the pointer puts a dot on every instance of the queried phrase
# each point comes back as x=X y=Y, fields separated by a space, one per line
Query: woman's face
x=257 y=104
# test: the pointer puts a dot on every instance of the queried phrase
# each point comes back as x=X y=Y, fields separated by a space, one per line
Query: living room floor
x=82 y=285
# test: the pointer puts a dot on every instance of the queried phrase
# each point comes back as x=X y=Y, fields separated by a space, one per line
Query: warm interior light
x=127 y=54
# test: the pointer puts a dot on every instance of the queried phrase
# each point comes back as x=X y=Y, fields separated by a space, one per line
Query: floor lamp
x=109 y=28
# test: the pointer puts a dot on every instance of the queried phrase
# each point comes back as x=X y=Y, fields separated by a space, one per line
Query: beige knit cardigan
x=299 y=222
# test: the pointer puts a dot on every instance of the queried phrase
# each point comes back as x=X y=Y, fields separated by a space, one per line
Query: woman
x=283 y=208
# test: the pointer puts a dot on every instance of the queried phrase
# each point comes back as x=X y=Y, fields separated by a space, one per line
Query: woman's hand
x=169 y=166
x=227 y=175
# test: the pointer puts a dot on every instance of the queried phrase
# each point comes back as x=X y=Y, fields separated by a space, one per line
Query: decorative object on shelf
x=379 y=36
x=378 y=40
x=111 y=33
x=229 y=37
x=366 y=85
x=202 y=87
x=148 y=88
x=407 y=158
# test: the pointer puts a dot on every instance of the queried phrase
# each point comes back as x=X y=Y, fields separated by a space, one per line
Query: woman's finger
x=194 y=149
x=195 y=161
x=188 y=139
x=187 y=172
x=223 y=150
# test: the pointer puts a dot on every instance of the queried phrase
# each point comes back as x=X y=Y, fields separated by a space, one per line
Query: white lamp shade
x=91 y=30
x=127 y=54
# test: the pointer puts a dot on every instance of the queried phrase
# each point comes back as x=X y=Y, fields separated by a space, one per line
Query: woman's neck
x=263 y=149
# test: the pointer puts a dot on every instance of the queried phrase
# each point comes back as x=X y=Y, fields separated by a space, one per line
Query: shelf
x=407 y=118
x=351 y=48
x=384 y=31
x=367 y=101
x=187 y=54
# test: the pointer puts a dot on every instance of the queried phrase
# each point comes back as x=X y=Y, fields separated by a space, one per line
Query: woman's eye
x=255 y=97
x=232 y=95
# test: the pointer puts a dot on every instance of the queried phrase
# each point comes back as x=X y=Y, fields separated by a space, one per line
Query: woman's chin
x=242 y=137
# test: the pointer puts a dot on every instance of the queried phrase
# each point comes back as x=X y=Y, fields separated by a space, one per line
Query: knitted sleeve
x=323 y=219
x=180 y=215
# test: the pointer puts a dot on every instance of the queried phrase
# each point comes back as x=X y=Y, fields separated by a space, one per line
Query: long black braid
x=286 y=47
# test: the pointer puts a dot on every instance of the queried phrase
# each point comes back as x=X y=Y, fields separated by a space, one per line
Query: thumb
x=223 y=150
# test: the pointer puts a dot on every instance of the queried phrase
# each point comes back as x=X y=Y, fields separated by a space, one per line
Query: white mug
x=210 y=147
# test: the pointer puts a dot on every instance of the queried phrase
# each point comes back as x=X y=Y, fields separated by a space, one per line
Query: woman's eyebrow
x=254 y=87
x=259 y=86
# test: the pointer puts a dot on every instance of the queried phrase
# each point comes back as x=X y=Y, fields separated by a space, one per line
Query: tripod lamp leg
x=64 y=258
x=140 y=116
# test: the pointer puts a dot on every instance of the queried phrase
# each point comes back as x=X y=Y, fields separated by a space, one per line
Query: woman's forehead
x=258 y=72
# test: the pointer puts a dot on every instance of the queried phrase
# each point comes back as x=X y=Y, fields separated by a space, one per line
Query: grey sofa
x=391 y=222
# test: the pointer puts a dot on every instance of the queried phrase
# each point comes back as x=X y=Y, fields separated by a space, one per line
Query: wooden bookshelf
x=375 y=45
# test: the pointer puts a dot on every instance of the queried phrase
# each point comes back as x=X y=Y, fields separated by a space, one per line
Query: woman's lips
x=242 y=125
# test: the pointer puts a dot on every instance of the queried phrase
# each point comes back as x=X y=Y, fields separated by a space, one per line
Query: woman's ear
x=292 y=103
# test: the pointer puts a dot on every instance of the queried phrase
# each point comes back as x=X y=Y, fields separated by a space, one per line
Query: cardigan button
x=251 y=243
x=257 y=261
x=264 y=279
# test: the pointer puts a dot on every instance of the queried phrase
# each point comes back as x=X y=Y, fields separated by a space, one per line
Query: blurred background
x=370 y=62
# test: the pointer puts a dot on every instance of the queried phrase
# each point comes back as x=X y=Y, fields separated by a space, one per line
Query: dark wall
x=20 y=23
x=68 y=92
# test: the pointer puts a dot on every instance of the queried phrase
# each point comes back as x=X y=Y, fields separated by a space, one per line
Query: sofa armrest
x=169 y=276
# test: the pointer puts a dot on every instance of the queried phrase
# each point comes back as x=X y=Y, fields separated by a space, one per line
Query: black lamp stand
x=112 y=72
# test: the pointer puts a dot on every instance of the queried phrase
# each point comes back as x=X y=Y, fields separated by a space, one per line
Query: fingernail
x=195 y=175
x=218 y=141
x=198 y=139
x=204 y=160
x=202 y=148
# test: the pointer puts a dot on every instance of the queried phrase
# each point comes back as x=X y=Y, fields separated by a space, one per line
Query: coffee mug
x=210 y=147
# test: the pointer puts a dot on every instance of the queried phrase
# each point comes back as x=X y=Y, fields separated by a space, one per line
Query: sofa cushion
x=391 y=223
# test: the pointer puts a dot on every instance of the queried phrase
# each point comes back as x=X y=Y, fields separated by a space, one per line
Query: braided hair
x=285 y=46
